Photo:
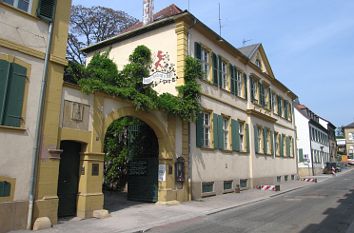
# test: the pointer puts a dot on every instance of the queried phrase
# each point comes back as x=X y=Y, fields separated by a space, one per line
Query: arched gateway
x=83 y=125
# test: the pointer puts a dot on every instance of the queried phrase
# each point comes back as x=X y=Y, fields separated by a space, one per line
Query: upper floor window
x=223 y=73
x=205 y=63
x=20 y=4
x=254 y=90
x=203 y=130
x=12 y=88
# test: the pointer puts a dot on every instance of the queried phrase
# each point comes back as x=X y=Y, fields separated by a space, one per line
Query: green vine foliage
x=102 y=75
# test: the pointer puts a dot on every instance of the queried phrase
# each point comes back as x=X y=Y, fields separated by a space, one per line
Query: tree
x=89 y=26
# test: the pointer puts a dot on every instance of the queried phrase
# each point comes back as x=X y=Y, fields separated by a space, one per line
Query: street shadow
x=338 y=219
x=115 y=201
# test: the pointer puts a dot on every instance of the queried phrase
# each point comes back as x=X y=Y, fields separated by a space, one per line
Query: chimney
x=148 y=12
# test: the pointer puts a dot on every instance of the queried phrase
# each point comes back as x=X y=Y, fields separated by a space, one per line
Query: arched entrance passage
x=131 y=159
x=68 y=179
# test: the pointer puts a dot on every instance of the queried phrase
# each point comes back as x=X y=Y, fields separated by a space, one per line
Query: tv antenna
x=244 y=42
x=219 y=21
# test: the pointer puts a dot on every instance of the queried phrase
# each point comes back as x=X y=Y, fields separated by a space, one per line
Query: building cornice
x=260 y=115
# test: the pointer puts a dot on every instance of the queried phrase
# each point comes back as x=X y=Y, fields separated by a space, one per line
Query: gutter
x=39 y=126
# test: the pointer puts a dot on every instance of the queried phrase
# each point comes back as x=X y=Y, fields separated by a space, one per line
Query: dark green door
x=68 y=178
x=143 y=179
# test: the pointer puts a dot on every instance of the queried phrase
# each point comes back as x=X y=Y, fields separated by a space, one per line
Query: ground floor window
x=227 y=184
x=243 y=183
x=207 y=187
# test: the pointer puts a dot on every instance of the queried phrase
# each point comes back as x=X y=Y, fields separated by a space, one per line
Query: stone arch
x=166 y=142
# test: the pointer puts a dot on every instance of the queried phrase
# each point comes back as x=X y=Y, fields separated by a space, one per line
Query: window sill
x=11 y=128
x=207 y=148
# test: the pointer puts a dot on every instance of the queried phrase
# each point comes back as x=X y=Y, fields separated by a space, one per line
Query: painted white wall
x=303 y=136
x=16 y=151
x=163 y=39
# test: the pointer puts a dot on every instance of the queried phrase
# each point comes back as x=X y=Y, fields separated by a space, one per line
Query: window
x=286 y=178
x=243 y=183
x=20 y=4
x=203 y=55
x=254 y=90
x=228 y=185
x=203 y=130
x=242 y=137
x=277 y=144
x=278 y=179
x=12 y=89
x=239 y=77
x=224 y=78
x=207 y=187
x=258 y=63
x=225 y=132
x=274 y=103
x=268 y=142
x=259 y=140
x=205 y=63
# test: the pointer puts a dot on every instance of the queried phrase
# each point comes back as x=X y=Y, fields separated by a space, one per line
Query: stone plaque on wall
x=75 y=115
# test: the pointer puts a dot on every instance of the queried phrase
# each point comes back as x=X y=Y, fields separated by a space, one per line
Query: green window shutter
x=281 y=146
x=288 y=146
x=46 y=9
x=245 y=84
x=233 y=79
x=14 y=100
x=197 y=50
x=247 y=137
x=256 y=146
x=271 y=142
x=301 y=155
x=4 y=79
x=269 y=99
x=286 y=109
x=215 y=68
x=279 y=105
x=265 y=146
x=220 y=133
x=215 y=131
x=199 y=131
x=220 y=70
x=235 y=128
x=252 y=89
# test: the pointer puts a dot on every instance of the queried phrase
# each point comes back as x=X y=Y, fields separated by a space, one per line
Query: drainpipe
x=39 y=125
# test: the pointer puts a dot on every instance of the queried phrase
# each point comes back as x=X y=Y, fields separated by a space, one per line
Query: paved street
x=323 y=207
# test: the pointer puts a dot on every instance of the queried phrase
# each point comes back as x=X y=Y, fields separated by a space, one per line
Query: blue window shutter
x=233 y=79
x=197 y=50
x=215 y=131
x=46 y=9
x=247 y=137
x=199 y=131
x=215 y=68
x=4 y=79
x=14 y=99
x=220 y=133
x=256 y=146
x=265 y=146
x=235 y=128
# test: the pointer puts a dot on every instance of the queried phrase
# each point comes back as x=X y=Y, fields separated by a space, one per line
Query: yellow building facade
x=24 y=41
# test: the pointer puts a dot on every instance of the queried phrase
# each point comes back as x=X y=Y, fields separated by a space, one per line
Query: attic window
x=258 y=63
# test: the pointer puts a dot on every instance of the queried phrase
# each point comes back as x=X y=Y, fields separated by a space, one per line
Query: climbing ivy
x=102 y=75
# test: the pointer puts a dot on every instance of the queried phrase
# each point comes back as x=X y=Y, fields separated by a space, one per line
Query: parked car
x=329 y=165
x=351 y=161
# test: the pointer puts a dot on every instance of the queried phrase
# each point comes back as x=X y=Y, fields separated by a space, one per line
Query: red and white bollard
x=333 y=171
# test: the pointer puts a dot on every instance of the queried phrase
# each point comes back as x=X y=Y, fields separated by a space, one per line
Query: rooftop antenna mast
x=219 y=21
x=244 y=42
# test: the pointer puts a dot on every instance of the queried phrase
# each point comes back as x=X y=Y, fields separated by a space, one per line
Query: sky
x=309 y=43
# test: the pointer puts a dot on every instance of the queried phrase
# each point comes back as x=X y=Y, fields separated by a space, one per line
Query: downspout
x=189 y=51
x=39 y=125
